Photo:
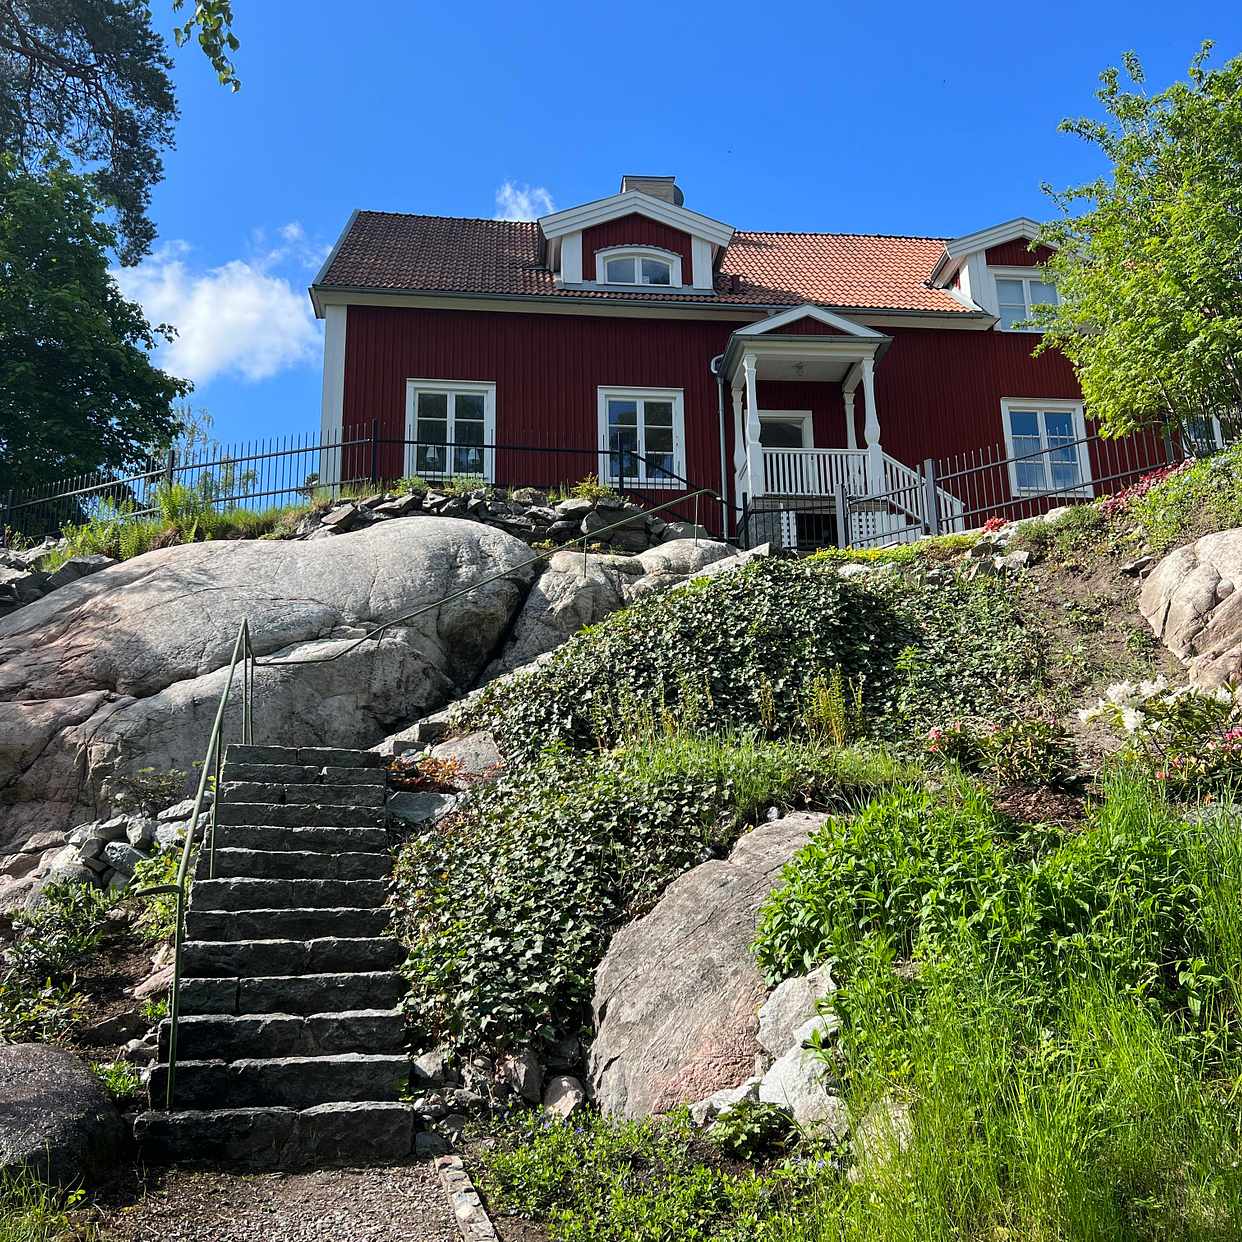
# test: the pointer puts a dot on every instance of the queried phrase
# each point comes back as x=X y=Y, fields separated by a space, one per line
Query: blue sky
x=902 y=118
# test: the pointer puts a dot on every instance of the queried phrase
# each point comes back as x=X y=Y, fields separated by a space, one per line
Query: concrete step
x=295 y=994
x=302 y=815
x=296 y=774
x=224 y=959
x=289 y=924
x=294 y=865
x=314 y=840
x=287 y=1082
x=226 y=1038
x=318 y=794
x=357 y=1133
x=250 y=894
x=304 y=756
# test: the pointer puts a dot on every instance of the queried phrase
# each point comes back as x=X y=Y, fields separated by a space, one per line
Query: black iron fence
x=291 y=470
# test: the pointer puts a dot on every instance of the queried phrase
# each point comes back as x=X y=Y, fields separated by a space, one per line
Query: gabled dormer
x=997 y=270
x=642 y=238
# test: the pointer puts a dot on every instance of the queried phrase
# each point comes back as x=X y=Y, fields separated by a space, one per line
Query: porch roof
x=826 y=356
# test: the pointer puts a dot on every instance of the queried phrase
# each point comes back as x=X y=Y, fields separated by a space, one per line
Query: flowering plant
x=993 y=524
x=1120 y=501
x=1190 y=737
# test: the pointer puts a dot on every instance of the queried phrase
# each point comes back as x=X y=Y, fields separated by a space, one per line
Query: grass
x=33 y=1212
x=1203 y=498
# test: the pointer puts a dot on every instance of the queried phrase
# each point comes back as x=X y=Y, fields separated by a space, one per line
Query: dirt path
x=336 y=1205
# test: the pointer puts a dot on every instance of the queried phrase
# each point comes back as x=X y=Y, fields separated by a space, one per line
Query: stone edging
x=472 y=1218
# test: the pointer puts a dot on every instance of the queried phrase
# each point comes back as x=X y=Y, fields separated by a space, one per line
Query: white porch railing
x=814 y=472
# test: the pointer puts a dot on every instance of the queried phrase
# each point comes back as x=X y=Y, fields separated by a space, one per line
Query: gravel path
x=402 y=1203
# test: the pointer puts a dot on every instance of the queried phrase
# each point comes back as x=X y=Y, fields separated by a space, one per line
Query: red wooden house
x=664 y=349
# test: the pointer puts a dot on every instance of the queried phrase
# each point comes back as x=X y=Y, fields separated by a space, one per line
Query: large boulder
x=55 y=1120
x=123 y=670
x=1192 y=603
x=677 y=995
x=576 y=590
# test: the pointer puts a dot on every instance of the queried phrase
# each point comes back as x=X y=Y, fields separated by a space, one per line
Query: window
x=638 y=267
x=1046 y=448
x=642 y=434
x=1018 y=296
x=785 y=429
x=452 y=424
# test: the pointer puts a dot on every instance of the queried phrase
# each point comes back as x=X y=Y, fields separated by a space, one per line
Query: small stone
x=429 y=1143
x=140 y=832
x=796 y=1084
x=719 y=1103
x=419 y=806
x=1135 y=569
x=435 y=1066
x=790 y=1006
x=184 y=809
x=522 y=1073
x=68 y=868
x=575 y=508
x=154 y=984
x=170 y=836
x=563 y=1095
x=475 y=754
x=122 y=856
x=114 y=829
x=528 y=496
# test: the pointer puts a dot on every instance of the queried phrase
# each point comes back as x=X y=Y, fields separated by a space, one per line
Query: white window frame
x=677 y=397
x=638 y=253
x=1040 y=406
x=487 y=388
x=1025 y=275
x=805 y=417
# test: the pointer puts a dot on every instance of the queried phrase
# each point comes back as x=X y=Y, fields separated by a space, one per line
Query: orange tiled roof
x=447 y=254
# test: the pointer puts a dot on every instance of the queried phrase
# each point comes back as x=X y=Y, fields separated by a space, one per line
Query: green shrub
x=739 y=651
x=1027 y=751
x=508 y=909
x=594 y=1180
x=157 y=916
x=119 y=1079
x=1202 y=498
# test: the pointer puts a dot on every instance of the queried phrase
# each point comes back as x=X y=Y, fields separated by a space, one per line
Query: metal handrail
x=243 y=652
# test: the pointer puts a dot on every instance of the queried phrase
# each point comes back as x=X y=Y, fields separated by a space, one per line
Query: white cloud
x=242 y=318
x=522 y=202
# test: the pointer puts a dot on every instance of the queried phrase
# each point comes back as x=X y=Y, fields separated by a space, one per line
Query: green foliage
x=157 y=919
x=119 y=1079
x=751 y=1129
x=599 y=1181
x=833 y=712
x=33 y=1212
x=409 y=483
x=739 y=649
x=1205 y=497
x=78 y=391
x=1026 y=751
x=589 y=488
x=508 y=909
x=1150 y=309
x=146 y=791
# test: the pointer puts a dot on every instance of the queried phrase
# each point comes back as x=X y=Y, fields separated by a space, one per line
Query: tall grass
x=33 y=1212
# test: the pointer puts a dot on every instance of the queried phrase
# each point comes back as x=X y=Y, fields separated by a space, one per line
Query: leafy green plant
x=146 y=791
x=31 y=1211
x=589 y=488
x=1204 y=497
x=1025 y=751
x=751 y=1129
x=410 y=483
x=157 y=917
x=119 y=1079
x=834 y=711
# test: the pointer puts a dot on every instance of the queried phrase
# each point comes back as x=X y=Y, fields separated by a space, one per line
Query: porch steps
x=291 y=1043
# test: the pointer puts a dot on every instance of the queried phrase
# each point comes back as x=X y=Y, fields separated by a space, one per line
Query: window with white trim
x=1017 y=297
x=638 y=266
x=1046 y=446
x=451 y=425
x=642 y=436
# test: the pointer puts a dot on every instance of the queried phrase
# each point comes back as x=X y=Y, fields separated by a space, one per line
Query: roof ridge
x=818 y=233
x=425 y=215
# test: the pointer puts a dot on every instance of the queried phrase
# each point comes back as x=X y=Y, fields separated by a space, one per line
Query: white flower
x=1131 y=719
x=1122 y=693
x=1149 y=689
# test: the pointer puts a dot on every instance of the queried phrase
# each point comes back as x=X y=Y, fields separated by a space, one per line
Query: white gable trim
x=958 y=248
x=808 y=310
x=632 y=202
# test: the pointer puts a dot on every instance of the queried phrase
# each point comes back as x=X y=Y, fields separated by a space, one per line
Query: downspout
x=716 y=366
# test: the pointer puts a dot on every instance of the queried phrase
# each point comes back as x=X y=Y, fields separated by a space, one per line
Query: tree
x=78 y=390
x=89 y=79
x=1149 y=276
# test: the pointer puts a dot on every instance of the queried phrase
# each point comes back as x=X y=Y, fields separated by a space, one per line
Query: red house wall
x=806 y=326
x=1017 y=254
x=635 y=230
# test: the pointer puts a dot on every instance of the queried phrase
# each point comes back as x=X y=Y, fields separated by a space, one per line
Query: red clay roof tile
x=447 y=254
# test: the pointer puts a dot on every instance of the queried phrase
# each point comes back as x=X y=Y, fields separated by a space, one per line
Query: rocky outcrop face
x=123 y=670
x=55 y=1120
x=26 y=576
x=1191 y=601
x=678 y=993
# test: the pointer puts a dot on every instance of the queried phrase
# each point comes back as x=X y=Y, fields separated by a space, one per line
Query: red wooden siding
x=823 y=400
x=808 y=326
x=1017 y=254
x=635 y=230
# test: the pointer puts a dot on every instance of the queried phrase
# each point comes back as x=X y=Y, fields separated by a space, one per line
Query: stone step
x=288 y=924
x=294 y=865
x=248 y=894
x=304 y=756
x=224 y=959
x=296 y=774
x=227 y=1038
x=287 y=1082
x=314 y=840
x=293 y=994
x=357 y=1133
x=302 y=794
x=302 y=815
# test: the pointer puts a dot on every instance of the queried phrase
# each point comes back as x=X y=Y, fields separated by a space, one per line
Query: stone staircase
x=290 y=1047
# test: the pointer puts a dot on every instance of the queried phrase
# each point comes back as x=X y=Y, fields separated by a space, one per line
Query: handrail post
x=375 y=448
x=696 y=519
x=174 y=999
x=931 y=498
x=842 y=505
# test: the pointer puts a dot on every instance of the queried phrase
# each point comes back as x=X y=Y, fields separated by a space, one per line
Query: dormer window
x=1018 y=296
x=631 y=266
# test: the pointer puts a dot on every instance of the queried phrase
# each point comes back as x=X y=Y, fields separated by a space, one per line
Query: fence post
x=931 y=498
x=170 y=467
x=4 y=522
x=842 y=506
x=375 y=448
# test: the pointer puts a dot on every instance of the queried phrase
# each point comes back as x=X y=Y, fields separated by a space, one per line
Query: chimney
x=665 y=188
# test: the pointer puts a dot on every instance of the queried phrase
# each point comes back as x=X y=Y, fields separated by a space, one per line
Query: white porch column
x=871 y=428
x=851 y=433
x=754 y=454
x=739 y=432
